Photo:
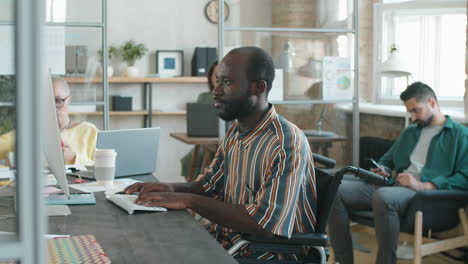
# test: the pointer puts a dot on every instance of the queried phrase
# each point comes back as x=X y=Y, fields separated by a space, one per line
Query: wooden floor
x=368 y=241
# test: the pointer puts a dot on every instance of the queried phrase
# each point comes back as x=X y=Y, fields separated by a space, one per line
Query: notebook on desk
x=75 y=249
x=137 y=151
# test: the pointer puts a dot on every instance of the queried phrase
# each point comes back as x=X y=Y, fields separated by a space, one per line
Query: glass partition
x=71 y=11
x=75 y=29
x=314 y=48
x=328 y=128
x=303 y=61
x=324 y=14
x=8 y=213
x=30 y=53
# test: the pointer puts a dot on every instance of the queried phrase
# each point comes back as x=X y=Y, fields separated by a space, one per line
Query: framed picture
x=170 y=63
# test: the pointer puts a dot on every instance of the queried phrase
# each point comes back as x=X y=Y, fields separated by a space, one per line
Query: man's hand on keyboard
x=148 y=187
x=170 y=200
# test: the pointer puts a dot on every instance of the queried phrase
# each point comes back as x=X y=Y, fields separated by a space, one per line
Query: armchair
x=429 y=211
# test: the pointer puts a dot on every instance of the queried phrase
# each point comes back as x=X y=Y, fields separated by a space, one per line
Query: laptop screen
x=137 y=149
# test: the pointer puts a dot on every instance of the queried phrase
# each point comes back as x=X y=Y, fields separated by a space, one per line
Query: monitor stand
x=75 y=198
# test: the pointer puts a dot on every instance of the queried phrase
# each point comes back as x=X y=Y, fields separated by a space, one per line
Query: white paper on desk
x=6 y=174
x=56 y=210
x=118 y=185
x=51 y=190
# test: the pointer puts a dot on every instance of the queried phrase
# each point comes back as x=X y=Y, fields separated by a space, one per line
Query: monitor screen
x=53 y=148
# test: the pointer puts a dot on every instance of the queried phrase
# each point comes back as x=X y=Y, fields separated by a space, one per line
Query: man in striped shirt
x=262 y=179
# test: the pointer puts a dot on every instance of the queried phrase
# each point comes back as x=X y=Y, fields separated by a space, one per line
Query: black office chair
x=327 y=187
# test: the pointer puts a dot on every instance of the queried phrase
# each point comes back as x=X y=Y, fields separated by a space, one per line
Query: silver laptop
x=137 y=151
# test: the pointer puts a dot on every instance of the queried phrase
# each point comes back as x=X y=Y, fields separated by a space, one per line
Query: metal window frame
x=30 y=245
x=105 y=79
x=354 y=101
x=410 y=7
x=31 y=219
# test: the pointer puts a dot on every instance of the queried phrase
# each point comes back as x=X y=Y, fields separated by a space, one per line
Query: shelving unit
x=131 y=113
x=147 y=82
x=185 y=79
x=241 y=33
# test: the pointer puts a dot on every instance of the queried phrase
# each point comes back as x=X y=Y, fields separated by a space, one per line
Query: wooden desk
x=208 y=143
x=144 y=237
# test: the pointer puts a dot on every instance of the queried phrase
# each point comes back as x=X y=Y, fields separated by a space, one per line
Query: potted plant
x=7 y=94
x=130 y=53
x=113 y=52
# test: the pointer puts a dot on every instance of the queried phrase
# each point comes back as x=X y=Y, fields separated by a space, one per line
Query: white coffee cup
x=104 y=166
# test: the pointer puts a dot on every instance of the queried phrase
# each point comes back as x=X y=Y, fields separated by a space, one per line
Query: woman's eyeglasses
x=60 y=102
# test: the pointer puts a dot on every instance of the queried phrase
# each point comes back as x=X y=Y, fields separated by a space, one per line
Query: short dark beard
x=425 y=123
x=237 y=110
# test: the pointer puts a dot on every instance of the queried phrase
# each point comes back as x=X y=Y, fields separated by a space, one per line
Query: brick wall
x=366 y=48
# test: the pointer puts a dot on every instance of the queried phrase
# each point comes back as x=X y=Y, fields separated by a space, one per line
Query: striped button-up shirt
x=269 y=170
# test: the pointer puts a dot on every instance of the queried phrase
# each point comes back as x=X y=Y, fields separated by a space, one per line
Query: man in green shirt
x=430 y=154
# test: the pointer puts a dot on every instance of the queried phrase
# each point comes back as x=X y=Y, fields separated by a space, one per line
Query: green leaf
x=131 y=51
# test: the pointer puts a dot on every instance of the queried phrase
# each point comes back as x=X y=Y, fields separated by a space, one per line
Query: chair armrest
x=300 y=239
x=443 y=195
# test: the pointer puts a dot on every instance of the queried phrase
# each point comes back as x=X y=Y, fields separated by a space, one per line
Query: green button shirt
x=447 y=158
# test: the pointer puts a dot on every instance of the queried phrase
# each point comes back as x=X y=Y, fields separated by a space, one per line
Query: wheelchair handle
x=327 y=162
x=371 y=177
x=365 y=175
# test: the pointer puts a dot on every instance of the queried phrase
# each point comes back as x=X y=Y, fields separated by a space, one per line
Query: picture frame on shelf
x=170 y=63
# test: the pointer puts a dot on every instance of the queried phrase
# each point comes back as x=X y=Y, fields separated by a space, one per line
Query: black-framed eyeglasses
x=60 y=102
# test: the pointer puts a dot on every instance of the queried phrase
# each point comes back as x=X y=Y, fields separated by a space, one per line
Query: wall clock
x=212 y=11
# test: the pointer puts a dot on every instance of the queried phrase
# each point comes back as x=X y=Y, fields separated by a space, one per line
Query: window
x=430 y=37
x=56 y=11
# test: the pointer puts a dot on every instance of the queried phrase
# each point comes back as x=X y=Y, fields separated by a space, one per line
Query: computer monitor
x=53 y=148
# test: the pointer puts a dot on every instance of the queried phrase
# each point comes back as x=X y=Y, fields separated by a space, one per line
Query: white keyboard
x=127 y=202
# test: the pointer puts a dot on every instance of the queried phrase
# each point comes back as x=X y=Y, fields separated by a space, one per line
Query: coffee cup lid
x=105 y=152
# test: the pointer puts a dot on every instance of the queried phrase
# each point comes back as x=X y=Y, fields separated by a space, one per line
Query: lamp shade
x=395 y=66
x=285 y=59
